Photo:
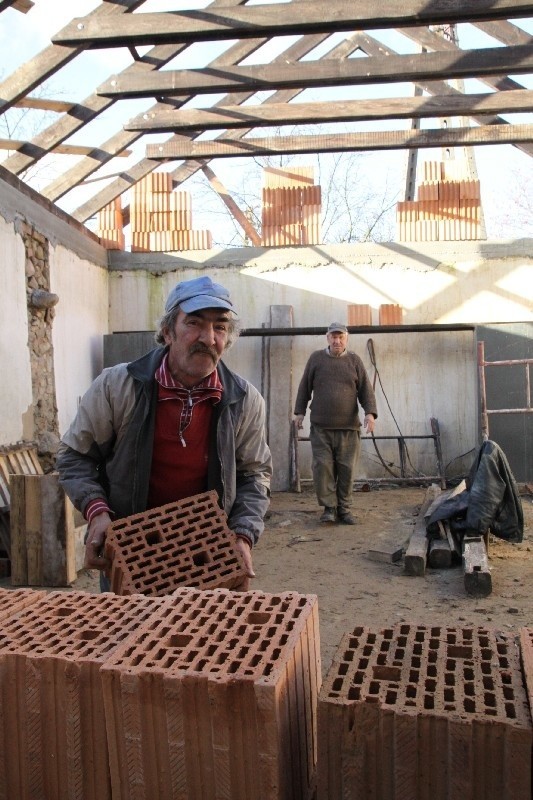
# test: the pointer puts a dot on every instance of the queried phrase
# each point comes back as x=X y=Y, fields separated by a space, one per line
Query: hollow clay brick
x=216 y=696
x=187 y=543
x=526 y=649
x=420 y=712
x=52 y=722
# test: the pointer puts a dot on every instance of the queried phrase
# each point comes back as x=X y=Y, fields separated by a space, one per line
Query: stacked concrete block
x=186 y=543
x=161 y=220
x=291 y=208
x=110 y=225
x=216 y=697
x=53 y=742
x=448 y=206
x=421 y=713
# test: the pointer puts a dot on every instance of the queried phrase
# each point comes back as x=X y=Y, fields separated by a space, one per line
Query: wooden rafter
x=266 y=20
x=334 y=143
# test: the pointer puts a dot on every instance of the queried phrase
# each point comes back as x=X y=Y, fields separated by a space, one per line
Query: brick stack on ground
x=447 y=208
x=216 y=697
x=186 y=543
x=161 y=219
x=423 y=713
x=291 y=207
x=53 y=740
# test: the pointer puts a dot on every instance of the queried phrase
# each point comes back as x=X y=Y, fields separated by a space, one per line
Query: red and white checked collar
x=209 y=388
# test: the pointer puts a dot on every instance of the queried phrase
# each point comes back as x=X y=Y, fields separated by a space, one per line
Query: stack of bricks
x=448 y=207
x=423 y=712
x=110 y=225
x=186 y=543
x=216 y=698
x=199 y=695
x=360 y=314
x=161 y=220
x=291 y=208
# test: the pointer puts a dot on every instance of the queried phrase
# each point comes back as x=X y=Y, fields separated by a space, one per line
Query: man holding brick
x=337 y=381
x=174 y=423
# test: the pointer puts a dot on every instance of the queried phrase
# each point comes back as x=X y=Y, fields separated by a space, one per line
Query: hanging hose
x=370 y=348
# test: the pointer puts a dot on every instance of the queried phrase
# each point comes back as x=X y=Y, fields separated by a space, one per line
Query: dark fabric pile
x=489 y=502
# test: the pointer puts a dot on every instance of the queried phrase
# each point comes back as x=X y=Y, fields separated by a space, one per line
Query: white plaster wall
x=16 y=419
x=80 y=323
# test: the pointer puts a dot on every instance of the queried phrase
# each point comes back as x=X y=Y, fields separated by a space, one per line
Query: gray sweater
x=337 y=386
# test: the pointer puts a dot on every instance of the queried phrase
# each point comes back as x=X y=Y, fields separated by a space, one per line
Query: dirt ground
x=298 y=553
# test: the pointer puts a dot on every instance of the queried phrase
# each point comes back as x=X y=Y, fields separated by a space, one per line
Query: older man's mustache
x=201 y=348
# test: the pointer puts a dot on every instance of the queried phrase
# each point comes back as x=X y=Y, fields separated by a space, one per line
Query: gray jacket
x=107 y=451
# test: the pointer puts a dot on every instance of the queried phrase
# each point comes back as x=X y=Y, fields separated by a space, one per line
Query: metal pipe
x=367 y=329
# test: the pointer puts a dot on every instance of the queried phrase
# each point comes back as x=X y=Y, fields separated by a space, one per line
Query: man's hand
x=246 y=553
x=94 y=546
x=299 y=420
x=369 y=423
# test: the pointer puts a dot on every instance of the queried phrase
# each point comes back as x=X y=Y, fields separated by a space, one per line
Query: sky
x=505 y=173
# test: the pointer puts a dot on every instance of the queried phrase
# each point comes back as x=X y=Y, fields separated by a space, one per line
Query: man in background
x=174 y=423
x=336 y=383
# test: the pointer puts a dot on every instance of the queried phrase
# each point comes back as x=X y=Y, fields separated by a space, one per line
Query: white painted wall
x=16 y=418
x=81 y=320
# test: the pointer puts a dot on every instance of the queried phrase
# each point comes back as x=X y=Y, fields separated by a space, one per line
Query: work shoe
x=328 y=515
x=346 y=518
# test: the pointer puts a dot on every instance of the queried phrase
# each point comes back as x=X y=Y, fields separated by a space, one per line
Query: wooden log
x=416 y=553
x=440 y=554
x=477 y=577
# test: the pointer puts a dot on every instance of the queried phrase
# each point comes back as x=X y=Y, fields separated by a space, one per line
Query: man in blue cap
x=172 y=424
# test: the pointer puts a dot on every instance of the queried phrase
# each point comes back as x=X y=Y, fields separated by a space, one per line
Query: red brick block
x=415 y=709
x=216 y=696
x=187 y=543
x=52 y=723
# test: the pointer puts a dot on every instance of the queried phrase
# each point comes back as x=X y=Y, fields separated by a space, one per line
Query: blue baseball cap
x=198 y=293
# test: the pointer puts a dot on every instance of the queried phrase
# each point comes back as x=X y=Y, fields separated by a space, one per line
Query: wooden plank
x=60 y=149
x=326 y=72
x=232 y=206
x=335 y=143
x=416 y=553
x=19 y=560
x=32 y=529
x=440 y=554
x=266 y=20
x=477 y=577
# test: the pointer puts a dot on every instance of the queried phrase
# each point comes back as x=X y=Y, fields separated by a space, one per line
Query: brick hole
x=87 y=636
x=354 y=693
x=253 y=637
x=371 y=638
x=63 y=612
x=417 y=649
x=490 y=700
x=383 y=673
x=221 y=658
x=374 y=687
x=451 y=638
x=506 y=677
x=353 y=643
x=348 y=655
x=436 y=632
x=401 y=641
x=189 y=657
x=450 y=665
x=363 y=663
x=359 y=677
x=468 y=673
x=358 y=632
x=434 y=644
x=255 y=660
x=283 y=639
x=410 y=690
x=484 y=641
x=211 y=650
x=258 y=618
x=388 y=633
x=469 y=689
x=390 y=697
x=508 y=693
x=488 y=683
x=429 y=702
x=154 y=537
x=449 y=695
x=337 y=685
x=432 y=656
x=469 y=705
x=504 y=663
x=399 y=654
x=430 y=685
x=367 y=650
x=510 y=710
x=486 y=653
x=419 y=636
x=460 y=651
x=415 y=662
x=385 y=646
x=449 y=679
x=381 y=659
x=343 y=669
x=468 y=633
x=485 y=668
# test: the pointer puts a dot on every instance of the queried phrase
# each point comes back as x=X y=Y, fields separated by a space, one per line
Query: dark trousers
x=335 y=458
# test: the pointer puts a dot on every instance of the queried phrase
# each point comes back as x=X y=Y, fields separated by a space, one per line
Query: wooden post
x=42 y=532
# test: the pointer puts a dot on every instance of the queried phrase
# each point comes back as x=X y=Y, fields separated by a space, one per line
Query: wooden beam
x=19 y=5
x=327 y=72
x=335 y=143
x=41 y=104
x=62 y=149
x=268 y=20
x=232 y=206
x=253 y=116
